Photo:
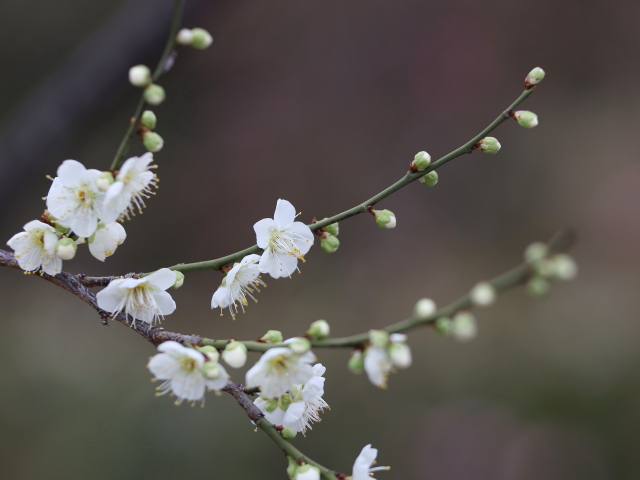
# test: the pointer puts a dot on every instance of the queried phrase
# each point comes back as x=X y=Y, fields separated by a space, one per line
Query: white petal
x=188 y=385
x=293 y=414
x=71 y=173
x=221 y=298
x=363 y=463
x=163 y=366
x=163 y=278
x=263 y=229
x=284 y=215
x=302 y=236
x=166 y=304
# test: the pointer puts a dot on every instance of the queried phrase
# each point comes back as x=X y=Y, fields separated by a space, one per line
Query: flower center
x=84 y=195
x=282 y=243
x=279 y=363
x=188 y=364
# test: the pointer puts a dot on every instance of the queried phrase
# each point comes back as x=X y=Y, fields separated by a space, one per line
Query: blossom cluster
x=83 y=205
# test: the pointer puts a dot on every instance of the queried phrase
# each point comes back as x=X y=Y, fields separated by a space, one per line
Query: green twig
x=176 y=21
x=361 y=208
x=517 y=276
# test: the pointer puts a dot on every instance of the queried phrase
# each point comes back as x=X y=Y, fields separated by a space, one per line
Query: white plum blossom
x=302 y=406
x=143 y=298
x=240 y=283
x=106 y=239
x=183 y=371
x=36 y=248
x=133 y=184
x=75 y=199
x=278 y=370
x=379 y=360
x=362 y=466
x=284 y=241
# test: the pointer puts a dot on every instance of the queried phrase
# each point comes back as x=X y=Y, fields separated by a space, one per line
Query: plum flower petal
x=241 y=282
x=278 y=370
x=133 y=183
x=362 y=467
x=107 y=238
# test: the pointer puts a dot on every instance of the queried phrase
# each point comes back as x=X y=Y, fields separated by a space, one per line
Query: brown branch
x=78 y=285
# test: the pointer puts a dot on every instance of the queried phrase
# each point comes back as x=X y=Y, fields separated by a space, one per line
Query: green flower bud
x=526 y=119
x=443 y=326
x=490 y=145
x=235 y=354
x=538 y=287
x=271 y=405
x=179 y=280
x=464 y=327
x=272 y=336
x=184 y=37
x=139 y=76
x=332 y=229
x=211 y=370
x=152 y=141
x=300 y=345
x=201 y=38
x=535 y=77
x=148 y=119
x=66 y=248
x=421 y=161
x=430 y=179
x=292 y=468
x=104 y=181
x=210 y=352
x=535 y=252
x=483 y=294
x=289 y=433
x=424 y=308
x=154 y=94
x=379 y=338
x=356 y=362
x=566 y=268
x=319 y=329
x=385 y=218
x=329 y=243
x=285 y=401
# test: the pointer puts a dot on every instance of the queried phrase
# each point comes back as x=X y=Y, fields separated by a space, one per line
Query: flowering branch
x=162 y=67
x=409 y=177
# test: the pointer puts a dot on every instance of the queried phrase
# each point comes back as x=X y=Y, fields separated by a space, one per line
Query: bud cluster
x=329 y=237
x=196 y=37
x=547 y=267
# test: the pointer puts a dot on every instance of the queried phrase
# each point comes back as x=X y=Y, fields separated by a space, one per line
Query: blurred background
x=324 y=103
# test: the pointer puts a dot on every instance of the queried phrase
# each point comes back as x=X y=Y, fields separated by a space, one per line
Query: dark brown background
x=324 y=103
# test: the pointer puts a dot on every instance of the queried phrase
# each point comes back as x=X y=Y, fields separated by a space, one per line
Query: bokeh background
x=324 y=103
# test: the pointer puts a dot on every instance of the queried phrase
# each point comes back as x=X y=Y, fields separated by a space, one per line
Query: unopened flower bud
x=443 y=326
x=270 y=404
x=211 y=370
x=210 y=352
x=235 y=354
x=66 y=248
x=289 y=433
x=400 y=355
x=421 y=161
x=329 y=243
x=379 y=338
x=201 y=38
x=272 y=336
x=285 y=401
x=152 y=141
x=566 y=267
x=332 y=229
x=490 y=145
x=538 y=287
x=292 y=468
x=300 y=345
x=356 y=362
x=308 y=472
x=430 y=179
x=526 y=118
x=104 y=181
x=154 y=94
x=464 y=327
x=385 y=218
x=424 y=308
x=184 y=37
x=148 y=119
x=535 y=77
x=319 y=329
x=179 y=280
x=483 y=294
x=536 y=251
x=139 y=76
